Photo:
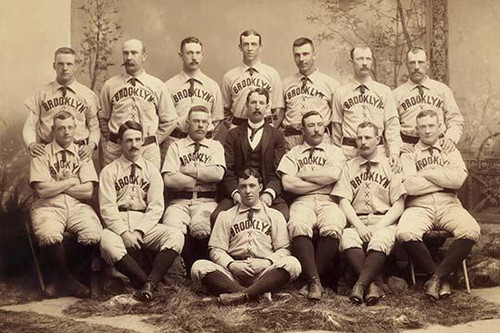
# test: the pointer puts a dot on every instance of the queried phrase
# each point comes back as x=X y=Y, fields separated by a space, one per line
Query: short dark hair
x=188 y=40
x=427 y=112
x=129 y=124
x=251 y=32
x=249 y=172
x=64 y=50
x=366 y=124
x=62 y=115
x=351 y=53
x=309 y=114
x=417 y=49
x=303 y=41
x=197 y=108
x=259 y=91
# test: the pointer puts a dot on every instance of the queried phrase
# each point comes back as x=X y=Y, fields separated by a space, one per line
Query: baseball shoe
x=146 y=294
x=374 y=294
x=233 y=298
x=304 y=291
x=357 y=294
x=445 y=290
x=77 y=289
x=315 y=289
x=433 y=286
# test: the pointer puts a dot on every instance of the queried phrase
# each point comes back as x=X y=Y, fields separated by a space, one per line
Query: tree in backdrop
x=100 y=33
x=389 y=27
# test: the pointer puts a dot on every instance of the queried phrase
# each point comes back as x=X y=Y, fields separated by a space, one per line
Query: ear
x=261 y=187
x=54 y=65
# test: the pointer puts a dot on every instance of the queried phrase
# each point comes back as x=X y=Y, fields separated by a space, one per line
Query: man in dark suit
x=258 y=145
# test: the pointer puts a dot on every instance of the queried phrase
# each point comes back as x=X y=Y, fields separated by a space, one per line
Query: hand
x=407 y=148
x=266 y=199
x=85 y=151
x=395 y=163
x=131 y=240
x=447 y=145
x=36 y=149
x=259 y=264
x=237 y=198
x=364 y=232
x=242 y=269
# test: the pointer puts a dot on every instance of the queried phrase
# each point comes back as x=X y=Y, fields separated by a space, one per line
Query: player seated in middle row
x=249 y=248
x=372 y=198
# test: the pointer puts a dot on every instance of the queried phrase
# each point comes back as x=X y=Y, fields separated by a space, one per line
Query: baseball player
x=191 y=87
x=193 y=166
x=258 y=145
x=62 y=181
x=372 y=199
x=363 y=99
x=131 y=202
x=63 y=94
x=432 y=177
x=309 y=89
x=137 y=96
x=310 y=170
x=250 y=75
x=248 y=248
x=419 y=93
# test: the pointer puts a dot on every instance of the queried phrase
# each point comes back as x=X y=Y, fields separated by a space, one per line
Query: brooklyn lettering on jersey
x=184 y=93
x=254 y=224
x=60 y=166
x=431 y=160
x=131 y=180
x=370 y=177
x=315 y=160
x=199 y=157
x=364 y=99
x=307 y=90
x=426 y=99
x=133 y=92
x=251 y=82
x=64 y=101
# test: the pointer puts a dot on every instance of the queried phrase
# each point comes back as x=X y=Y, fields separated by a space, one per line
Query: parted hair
x=65 y=50
x=129 y=124
x=259 y=91
x=249 y=172
x=62 y=115
x=366 y=124
x=188 y=40
x=251 y=32
x=416 y=49
x=427 y=112
x=303 y=41
x=309 y=114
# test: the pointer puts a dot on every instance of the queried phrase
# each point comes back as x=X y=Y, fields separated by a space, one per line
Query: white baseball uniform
x=50 y=217
x=315 y=209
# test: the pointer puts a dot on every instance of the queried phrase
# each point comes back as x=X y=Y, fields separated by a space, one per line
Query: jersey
x=145 y=100
x=206 y=93
x=435 y=96
x=324 y=156
x=375 y=103
x=51 y=98
x=235 y=237
x=303 y=94
x=371 y=191
x=127 y=186
x=182 y=152
x=237 y=83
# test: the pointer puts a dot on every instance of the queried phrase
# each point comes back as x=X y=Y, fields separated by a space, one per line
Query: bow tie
x=368 y=166
x=304 y=80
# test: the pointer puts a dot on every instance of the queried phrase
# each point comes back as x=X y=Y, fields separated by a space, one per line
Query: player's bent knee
x=48 y=238
x=296 y=228
x=407 y=236
x=291 y=265
x=200 y=269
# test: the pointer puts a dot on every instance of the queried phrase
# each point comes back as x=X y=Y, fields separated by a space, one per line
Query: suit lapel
x=266 y=136
x=243 y=138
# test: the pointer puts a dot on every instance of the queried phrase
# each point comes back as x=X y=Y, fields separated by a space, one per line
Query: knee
x=292 y=266
x=91 y=236
x=174 y=240
x=200 y=269
x=297 y=228
x=46 y=238
x=403 y=235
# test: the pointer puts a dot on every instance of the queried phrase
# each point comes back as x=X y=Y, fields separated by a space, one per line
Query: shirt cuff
x=233 y=193
x=271 y=192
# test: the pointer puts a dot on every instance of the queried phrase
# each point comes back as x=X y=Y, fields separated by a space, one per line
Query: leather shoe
x=304 y=291
x=233 y=298
x=315 y=288
x=374 y=294
x=357 y=294
x=433 y=286
x=146 y=294
x=445 y=290
x=51 y=291
x=77 y=289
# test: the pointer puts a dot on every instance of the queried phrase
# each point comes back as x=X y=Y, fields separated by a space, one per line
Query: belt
x=366 y=214
x=125 y=209
x=238 y=121
x=147 y=140
x=177 y=133
x=449 y=190
x=76 y=142
x=352 y=142
x=289 y=131
x=193 y=195
x=409 y=139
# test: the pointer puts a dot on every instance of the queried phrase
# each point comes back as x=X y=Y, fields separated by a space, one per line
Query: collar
x=126 y=163
x=57 y=148
x=363 y=161
x=255 y=126
x=56 y=86
x=424 y=83
x=257 y=66
x=191 y=141
x=141 y=78
x=244 y=208
x=198 y=76
x=321 y=146
x=422 y=146
x=311 y=77
x=369 y=84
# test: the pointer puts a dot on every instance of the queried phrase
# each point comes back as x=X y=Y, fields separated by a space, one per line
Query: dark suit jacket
x=236 y=153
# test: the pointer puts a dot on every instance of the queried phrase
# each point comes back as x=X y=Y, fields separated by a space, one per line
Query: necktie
x=254 y=131
x=132 y=81
x=251 y=70
x=197 y=146
x=311 y=151
x=431 y=151
x=304 y=82
x=362 y=89
x=191 y=87
x=368 y=166
x=63 y=156
x=132 y=170
x=250 y=214
x=420 y=90
x=64 y=90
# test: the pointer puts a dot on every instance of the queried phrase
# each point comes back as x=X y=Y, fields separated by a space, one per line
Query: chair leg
x=35 y=257
x=412 y=273
x=466 y=276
